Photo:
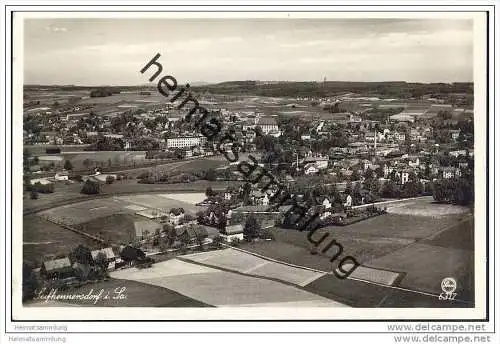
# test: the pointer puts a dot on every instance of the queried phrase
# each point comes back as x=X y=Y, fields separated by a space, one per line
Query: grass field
x=124 y=98
x=137 y=295
x=222 y=288
x=41 y=238
x=420 y=208
x=248 y=264
x=81 y=212
x=449 y=253
x=160 y=201
x=67 y=193
x=424 y=248
x=117 y=228
x=116 y=158
x=77 y=213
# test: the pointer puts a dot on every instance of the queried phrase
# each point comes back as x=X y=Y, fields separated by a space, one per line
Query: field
x=117 y=228
x=126 y=161
x=71 y=193
x=126 y=99
x=41 y=237
x=245 y=263
x=51 y=158
x=423 y=209
x=137 y=295
x=222 y=288
x=41 y=149
x=111 y=218
x=191 y=198
x=116 y=158
x=423 y=248
x=78 y=213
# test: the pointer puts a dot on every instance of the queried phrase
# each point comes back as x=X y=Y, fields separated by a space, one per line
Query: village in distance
x=120 y=191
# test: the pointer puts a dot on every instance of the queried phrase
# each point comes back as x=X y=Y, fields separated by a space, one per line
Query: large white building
x=268 y=125
x=186 y=141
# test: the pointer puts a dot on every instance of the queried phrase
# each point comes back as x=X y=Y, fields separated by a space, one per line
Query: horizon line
x=206 y=83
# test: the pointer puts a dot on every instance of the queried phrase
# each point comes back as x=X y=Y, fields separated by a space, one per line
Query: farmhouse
x=319 y=162
x=175 y=216
x=310 y=169
x=108 y=255
x=61 y=176
x=57 y=268
x=232 y=233
x=451 y=172
x=195 y=234
x=43 y=181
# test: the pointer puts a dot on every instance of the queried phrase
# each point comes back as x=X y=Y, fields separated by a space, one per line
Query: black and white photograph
x=249 y=166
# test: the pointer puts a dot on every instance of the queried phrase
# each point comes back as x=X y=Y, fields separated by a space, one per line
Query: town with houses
x=123 y=170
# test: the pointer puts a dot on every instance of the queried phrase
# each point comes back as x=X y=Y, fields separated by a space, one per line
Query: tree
x=43 y=188
x=129 y=254
x=209 y=192
x=27 y=182
x=171 y=233
x=456 y=191
x=78 y=178
x=91 y=188
x=389 y=189
x=252 y=228
x=81 y=254
x=200 y=239
x=211 y=174
x=355 y=175
x=67 y=165
x=102 y=263
x=29 y=283
x=356 y=193
x=427 y=171
x=348 y=188
x=217 y=241
x=33 y=194
x=369 y=174
x=246 y=191
x=185 y=240
x=375 y=188
x=87 y=163
x=412 y=189
x=379 y=172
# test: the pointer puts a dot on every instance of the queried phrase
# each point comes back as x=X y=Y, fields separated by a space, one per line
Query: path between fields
x=390 y=201
x=177 y=164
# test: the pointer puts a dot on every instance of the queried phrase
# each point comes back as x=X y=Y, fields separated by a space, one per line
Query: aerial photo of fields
x=311 y=193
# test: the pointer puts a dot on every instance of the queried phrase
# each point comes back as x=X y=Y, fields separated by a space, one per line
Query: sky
x=113 y=51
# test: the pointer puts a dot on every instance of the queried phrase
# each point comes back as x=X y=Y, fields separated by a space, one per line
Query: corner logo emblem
x=448 y=286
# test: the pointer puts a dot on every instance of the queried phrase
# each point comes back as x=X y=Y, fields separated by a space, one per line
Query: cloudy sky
x=112 y=51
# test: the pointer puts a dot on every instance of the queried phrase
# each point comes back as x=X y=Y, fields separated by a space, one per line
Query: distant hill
x=392 y=89
x=387 y=89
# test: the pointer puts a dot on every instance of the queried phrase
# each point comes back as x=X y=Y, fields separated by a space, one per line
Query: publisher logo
x=448 y=286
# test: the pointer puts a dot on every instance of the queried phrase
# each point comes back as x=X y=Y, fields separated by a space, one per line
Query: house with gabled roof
x=267 y=124
x=57 y=268
x=232 y=233
x=108 y=255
